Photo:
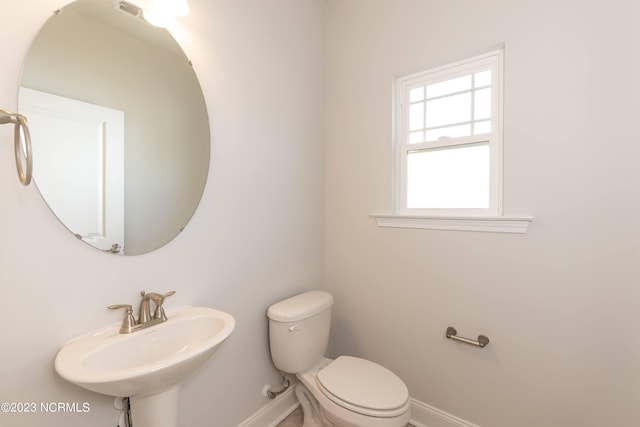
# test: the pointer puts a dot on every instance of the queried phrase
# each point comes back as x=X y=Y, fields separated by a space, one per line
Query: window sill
x=492 y=224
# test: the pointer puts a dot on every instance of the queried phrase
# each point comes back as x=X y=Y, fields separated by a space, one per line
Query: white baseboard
x=423 y=415
x=273 y=412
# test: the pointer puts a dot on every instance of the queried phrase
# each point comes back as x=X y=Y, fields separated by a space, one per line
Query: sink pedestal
x=156 y=410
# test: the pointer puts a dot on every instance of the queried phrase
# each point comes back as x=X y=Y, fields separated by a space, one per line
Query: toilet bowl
x=345 y=392
x=353 y=392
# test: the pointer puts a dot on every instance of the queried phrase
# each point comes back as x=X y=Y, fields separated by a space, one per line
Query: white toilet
x=345 y=392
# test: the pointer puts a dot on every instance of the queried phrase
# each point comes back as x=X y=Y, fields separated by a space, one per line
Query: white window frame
x=485 y=219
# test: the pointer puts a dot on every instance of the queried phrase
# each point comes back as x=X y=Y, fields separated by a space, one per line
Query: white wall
x=256 y=237
x=560 y=304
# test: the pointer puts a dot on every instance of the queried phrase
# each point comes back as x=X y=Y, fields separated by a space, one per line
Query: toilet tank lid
x=300 y=307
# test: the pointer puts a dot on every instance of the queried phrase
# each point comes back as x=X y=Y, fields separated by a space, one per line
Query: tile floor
x=295 y=419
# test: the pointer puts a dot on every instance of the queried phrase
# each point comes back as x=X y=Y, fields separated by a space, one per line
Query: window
x=449 y=139
x=448 y=149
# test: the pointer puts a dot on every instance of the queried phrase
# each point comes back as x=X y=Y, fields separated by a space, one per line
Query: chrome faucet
x=145 y=320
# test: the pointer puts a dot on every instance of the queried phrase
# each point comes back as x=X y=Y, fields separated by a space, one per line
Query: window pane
x=415 y=137
x=482 y=127
x=416 y=116
x=449 y=86
x=449 y=110
x=450 y=131
x=482 y=104
x=416 y=94
x=456 y=177
x=483 y=78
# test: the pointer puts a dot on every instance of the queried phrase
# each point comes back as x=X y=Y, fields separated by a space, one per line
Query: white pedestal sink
x=146 y=365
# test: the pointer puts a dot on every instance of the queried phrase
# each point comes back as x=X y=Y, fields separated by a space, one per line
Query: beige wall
x=561 y=303
x=256 y=237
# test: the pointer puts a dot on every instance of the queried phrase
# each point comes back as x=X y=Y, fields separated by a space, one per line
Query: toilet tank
x=299 y=330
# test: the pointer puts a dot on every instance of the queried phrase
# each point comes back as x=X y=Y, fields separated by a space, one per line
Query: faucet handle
x=129 y=321
x=118 y=306
x=159 y=313
x=168 y=294
x=155 y=297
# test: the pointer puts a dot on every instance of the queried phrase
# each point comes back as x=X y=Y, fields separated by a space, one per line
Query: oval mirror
x=119 y=127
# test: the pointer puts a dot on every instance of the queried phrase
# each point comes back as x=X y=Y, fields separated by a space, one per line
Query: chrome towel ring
x=22 y=146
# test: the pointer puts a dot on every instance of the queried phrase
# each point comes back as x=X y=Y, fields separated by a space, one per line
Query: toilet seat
x=364 y=387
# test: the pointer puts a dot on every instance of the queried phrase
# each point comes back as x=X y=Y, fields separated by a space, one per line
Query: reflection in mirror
x=119 y=128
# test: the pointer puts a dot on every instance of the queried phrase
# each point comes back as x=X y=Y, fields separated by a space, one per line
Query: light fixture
x=175 y=7
x=157 y=12
x=154 y=18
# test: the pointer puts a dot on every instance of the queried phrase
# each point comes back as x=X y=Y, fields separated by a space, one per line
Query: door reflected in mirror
x=119 y=127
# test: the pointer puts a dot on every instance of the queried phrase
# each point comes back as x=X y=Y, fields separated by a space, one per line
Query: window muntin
x=451 y=108
x=449 y=142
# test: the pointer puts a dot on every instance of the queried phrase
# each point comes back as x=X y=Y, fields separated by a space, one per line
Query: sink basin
x=148 y=361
